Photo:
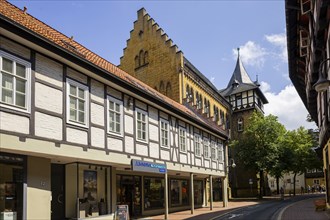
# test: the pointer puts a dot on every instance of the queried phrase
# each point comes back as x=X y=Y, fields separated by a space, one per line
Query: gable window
x=182 y=141
x=220 y=152
x=164 y=129
x=239 y=100
x=115 y=115
x=197 y=142
x=141 y=125
x=213 y=151
x=15 y=82
x=240 y=124
x=206 y=148
x=77 y=99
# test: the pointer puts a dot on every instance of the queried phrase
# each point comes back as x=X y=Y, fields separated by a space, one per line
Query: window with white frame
x=182 y=139
x=115 y=115
x=77 y=103
x=15 y=79
x=240 y=124
x=220 y=152
x=164 y=133
x=141 y=125
x=206 y=146
x=213 y=151
x=197 y=142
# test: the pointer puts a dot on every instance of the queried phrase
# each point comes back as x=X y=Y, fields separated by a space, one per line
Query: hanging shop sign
x=145 y=166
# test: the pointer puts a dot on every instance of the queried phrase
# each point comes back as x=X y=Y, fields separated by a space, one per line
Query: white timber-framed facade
x=72 y=123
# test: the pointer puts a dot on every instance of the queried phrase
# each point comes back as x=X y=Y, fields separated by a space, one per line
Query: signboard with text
x=145 y=166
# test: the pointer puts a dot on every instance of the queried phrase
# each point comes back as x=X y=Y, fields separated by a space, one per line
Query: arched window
x=162 y=87
x=197 y=99
x=187 y=92
x=137 y=64
x=146 y=57
x=168 y=89
x=208 y=108
x=205 y=105
x=240 y=123
x=192 y=95
x=216 y=113
x=141 y=60
x=200 y=104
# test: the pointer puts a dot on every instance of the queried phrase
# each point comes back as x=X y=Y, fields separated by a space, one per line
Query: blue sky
x=208 y=33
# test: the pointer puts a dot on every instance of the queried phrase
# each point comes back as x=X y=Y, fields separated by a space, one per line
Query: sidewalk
x=303 y=210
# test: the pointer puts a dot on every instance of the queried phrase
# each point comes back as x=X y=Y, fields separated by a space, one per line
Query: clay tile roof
x=30 y=23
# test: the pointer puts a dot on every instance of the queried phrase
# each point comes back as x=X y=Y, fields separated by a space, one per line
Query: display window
x=198 y=192
x=87 y=188
x=153 y=193
x=12 y=178
x=179 y=192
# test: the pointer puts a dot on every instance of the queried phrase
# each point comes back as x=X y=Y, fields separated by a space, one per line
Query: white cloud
x=288 y=107
x=279 y=41
x=264 y=87
x=251 y=54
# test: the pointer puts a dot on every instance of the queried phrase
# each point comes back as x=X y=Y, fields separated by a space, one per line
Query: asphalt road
x=265 y=211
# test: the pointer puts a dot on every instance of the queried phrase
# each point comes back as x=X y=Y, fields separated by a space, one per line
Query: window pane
x=81 y=105
x=7 y=96
x=111 y=105
x=81 y=117
x=81 y=93
x=117 y=127
x=73 y=90
x=73 y=103
x=20 y=85
x=117 y=118
x=7 y=81
x=20 y=99
x=20 y=70
x=7 y=65
x=117 y=108
x=73 y=115
x=111 y=126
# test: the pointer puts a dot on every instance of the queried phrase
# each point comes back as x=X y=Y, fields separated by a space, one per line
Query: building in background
x=308 y=40
x=245 y=97
x=80 y=136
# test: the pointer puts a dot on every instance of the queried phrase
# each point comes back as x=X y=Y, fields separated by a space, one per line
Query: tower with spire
x=245 y=97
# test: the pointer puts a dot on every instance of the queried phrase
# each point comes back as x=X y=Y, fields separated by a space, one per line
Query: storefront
x=12 y=181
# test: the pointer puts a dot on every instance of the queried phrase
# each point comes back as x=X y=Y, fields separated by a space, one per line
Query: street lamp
x=322 y=83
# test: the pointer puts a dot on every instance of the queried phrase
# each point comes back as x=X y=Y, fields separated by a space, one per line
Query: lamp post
x=322 y=83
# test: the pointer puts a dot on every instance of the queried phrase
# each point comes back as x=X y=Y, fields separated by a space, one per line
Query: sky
x=207 y=32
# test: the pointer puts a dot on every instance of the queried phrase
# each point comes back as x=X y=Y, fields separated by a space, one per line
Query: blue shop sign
x=145 y=166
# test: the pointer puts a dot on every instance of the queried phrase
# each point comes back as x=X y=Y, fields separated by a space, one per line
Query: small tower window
x=240 y=124
x=168 y=89
x=141 y=60
x=161 y=87
x=146 y=57
x=137 y=64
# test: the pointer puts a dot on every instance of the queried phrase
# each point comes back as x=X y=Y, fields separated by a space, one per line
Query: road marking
x=234 y=216
x=279 y=217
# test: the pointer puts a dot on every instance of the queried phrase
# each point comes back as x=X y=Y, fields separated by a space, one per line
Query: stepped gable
x=142 y=14
x=22 y=19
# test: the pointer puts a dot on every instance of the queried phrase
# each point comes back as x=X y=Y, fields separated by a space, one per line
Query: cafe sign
x=145 y=166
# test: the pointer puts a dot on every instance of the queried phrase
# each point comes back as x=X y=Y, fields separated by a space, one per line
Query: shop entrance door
x=129 y=193
x=57 y=187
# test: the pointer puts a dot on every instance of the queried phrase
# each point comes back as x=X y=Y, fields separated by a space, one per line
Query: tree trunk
x=277 y=185
x=261 y=184
x=294 y=184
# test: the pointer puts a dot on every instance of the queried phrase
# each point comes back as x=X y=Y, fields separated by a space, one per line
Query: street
x=269 y=210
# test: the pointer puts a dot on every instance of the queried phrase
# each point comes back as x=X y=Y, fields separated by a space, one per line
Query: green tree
x=299 y=154
x=258 y=148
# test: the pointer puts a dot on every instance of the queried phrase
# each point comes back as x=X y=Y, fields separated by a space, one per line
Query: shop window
x=198 y=192
x=197 y=143
x=153 y=193
x=12 y=176
x=179 y=192
x=15 y=82
x=206 y=148
x=141 y=125
x=115 y=115
x=182 y=141
x=164 y=132
x=77 y=100
x=240 y=124
x=88 y=183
